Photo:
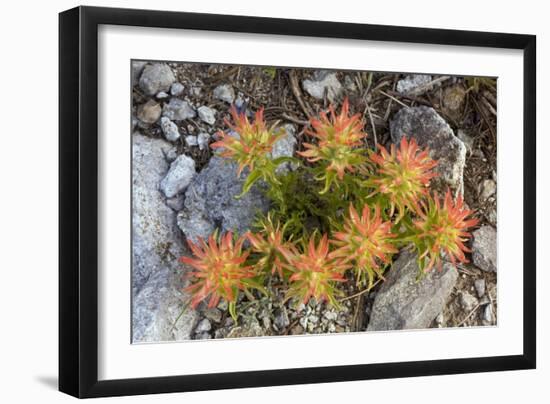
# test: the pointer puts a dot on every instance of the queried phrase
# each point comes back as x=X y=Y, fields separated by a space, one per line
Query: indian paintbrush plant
x=340 y=215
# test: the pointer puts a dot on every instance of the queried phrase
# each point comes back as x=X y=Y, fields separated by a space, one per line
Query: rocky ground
x=181 y=190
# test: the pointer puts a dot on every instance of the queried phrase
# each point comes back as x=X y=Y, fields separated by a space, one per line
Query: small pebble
x=213 y=314
x=170 y=129
x=313 y=319
x=297 y=330
x=176 y=89
x=203 y=326
x=479 y=285
x=488 y=314
x=439 y=320
x=467 y=301
x=224 y=93
x=484 y=300
x=488 y=189
x=207 y=115
x=149 y=112
x=191 y=140
x=203 y=335
x=202 y=140
x=330 y=315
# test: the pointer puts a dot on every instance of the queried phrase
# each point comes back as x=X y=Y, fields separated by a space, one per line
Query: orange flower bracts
x=402 y=175
x=253 y=143
x=315 y=273
x=441 y=228
x=339 y=141
x=220 y=269
x=366 y=241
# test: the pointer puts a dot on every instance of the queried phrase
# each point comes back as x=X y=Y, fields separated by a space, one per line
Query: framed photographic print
x=251 y=201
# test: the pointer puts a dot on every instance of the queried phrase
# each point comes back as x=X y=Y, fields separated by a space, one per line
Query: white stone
x=176 y=89
x=224 y=93
x=202 y=140
x=207 y=115
x=321 y=82
x=170 y=129
x=182 y=171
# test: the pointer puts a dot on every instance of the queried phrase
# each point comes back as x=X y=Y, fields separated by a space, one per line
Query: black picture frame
x=78 y=201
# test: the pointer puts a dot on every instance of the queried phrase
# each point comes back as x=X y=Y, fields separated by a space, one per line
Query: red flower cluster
x=315 y=273
x=366 y=241
x=339 y=139
x=441 y=228
x=402 y=175
x=252 y=143
x=219 y=269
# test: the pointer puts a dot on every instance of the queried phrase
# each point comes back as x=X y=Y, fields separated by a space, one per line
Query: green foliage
x=475 y=84
x=271 y=72
x=341 y=213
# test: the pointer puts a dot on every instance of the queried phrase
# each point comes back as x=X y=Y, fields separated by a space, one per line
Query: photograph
x=273 y=201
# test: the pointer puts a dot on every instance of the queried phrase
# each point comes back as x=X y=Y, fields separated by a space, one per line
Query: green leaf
x=254 y=176
x=270 y=71
x=233 y=311
x=254 y=284
x=285 y=159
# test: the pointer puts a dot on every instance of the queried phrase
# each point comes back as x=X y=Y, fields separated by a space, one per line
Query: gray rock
x=203 y=326
x=191 y=140
x=213 y=314
x=466 y=139
x=484 y=300
x=484 y=248
x=137 y=68
x=149 y=112
x=179 y=176
x=479 y=285
x=162 y=95
x=297 y=330
x=176 y=203
x=170 y=129
x=203 y=139
x=414 y=84
x=492 y=216
x=224 y=93
x=487 y=314
x=453 y=100
x=210 y=201
x=176 y=89
x=196 y=90
x=281 y=320
x=349 y=83
x=178 y=110
x=467 y=301
x=251 y=328
x=430 y=130
x=285 y=147
x=405 y=303
x=171 y=154
x=239 y=103
x=135 y=122
x=322 y=81
x=156 y=77
x=203 y=335
x=440 y=320
x=207 y=115
x=157 y=280
x=330 y=315
x=488 y=189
